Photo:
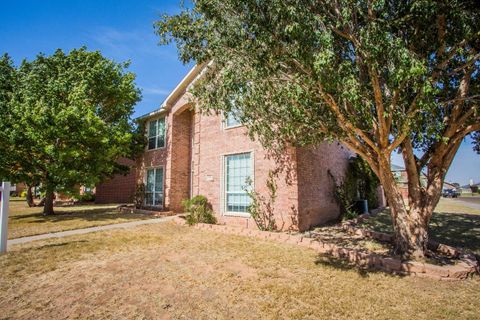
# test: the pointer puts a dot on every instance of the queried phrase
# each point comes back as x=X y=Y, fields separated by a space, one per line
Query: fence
x=4 y=202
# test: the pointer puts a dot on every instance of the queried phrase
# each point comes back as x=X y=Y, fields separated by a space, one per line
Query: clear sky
x=122 y=30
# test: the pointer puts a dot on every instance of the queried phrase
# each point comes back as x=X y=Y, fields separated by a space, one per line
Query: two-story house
x=190 y=153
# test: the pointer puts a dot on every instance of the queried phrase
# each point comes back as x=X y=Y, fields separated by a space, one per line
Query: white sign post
x=5 y=198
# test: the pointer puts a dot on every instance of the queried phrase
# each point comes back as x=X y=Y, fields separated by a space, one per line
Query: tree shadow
x=91 y=214
x=460 y=230
x=344 y=265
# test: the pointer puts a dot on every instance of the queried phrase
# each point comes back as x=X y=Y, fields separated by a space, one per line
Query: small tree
x=379 y=76
x=65 y=120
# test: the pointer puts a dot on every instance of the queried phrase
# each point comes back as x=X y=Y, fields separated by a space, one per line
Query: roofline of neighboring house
x=177 y=92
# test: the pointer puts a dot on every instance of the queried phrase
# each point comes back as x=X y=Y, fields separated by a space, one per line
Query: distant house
x=400 y=174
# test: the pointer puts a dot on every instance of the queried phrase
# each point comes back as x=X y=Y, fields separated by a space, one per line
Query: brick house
x=118 y=189
x=189 y=153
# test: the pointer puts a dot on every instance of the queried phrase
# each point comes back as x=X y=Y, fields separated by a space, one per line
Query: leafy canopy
x=368 y=73
x=65 y=118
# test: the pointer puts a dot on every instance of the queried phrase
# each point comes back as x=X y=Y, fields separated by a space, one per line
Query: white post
x=5 y=189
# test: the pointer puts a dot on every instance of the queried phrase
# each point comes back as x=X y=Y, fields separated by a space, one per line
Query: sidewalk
x=87 y=230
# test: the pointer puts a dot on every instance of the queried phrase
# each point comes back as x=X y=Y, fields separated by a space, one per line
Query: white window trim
x=223 y=185
x=163 y=184
x=164 y=132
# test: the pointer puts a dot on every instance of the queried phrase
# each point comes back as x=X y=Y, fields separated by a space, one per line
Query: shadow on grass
x=93 y=214
x=341 y=264
x=62 y=244
x=455 y=229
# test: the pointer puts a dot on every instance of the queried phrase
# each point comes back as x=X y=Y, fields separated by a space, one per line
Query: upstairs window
x=232 y=119
x=156 y=134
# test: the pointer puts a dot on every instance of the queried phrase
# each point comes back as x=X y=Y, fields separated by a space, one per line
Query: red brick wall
x=119 y=189
x=317 y=204
x=211 y=144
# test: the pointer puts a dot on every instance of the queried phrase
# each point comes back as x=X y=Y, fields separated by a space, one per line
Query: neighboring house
x=18 y=188
x=401 y=176
x=468 y=187
x=189 y=153
x=118 y=189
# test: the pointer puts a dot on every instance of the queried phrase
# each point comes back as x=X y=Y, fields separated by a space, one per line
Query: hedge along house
x=189 y=153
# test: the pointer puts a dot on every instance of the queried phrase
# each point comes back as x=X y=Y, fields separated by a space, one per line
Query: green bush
x=199 y=210
x=23 y=194
x=86 y=197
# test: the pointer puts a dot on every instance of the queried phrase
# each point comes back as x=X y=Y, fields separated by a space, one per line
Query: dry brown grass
x=24 y=221
x=170 y=272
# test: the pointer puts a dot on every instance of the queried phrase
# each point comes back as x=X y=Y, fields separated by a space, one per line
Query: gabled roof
x=177 y=92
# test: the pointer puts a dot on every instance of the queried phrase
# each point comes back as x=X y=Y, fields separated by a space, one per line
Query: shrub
x=261 y=208
x=359 y=183
x=86 y=197
x=23 y=194
x=199 y=210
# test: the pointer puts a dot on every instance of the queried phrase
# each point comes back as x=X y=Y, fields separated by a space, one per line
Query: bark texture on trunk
x=30 y=201
x=410 y=220
x=48 y=205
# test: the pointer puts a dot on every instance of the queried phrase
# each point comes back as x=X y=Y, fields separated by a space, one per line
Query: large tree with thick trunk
x=65 y=120
x=379 y=76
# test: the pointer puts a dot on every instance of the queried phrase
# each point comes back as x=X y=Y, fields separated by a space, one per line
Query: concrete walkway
x=87 y=230
x=468 y=204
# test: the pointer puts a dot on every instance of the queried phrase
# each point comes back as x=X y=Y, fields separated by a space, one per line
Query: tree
x=379 y=76
x=65 y=120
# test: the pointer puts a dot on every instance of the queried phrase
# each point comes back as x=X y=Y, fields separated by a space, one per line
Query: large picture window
x=238 y=168
x=156 y=134
x=154 y=187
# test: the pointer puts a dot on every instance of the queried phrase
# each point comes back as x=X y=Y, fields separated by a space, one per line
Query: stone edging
x=371 y=261
x=126 y=209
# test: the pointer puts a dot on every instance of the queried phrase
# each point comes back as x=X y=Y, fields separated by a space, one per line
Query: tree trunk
x=30 y=201
x=48 y=206
x=410 y=221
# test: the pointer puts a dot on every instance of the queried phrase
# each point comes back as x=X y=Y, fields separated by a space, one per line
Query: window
x=156 y=134
x=238 y=168
x=231 y=119
x=154 y=187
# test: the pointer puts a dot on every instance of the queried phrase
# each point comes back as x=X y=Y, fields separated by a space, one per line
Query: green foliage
x=86 y=197
x=261 y=208
x=199 y=210
x=359 y=183
x=65 y=119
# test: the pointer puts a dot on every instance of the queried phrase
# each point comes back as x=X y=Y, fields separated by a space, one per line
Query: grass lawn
x=452 y=223
x=24 y=221
x=166 y=271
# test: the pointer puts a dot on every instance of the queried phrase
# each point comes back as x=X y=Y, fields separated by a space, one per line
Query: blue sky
x=122 y=30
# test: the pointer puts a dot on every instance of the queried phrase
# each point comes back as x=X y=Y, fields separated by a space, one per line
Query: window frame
x=224 y=122
x=147 y=133
x=223 y=187
x=145 y=180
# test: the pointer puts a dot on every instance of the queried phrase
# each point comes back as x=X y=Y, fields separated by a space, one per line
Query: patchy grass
x=24 y=221
x=452 y=223
x=170 y=272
